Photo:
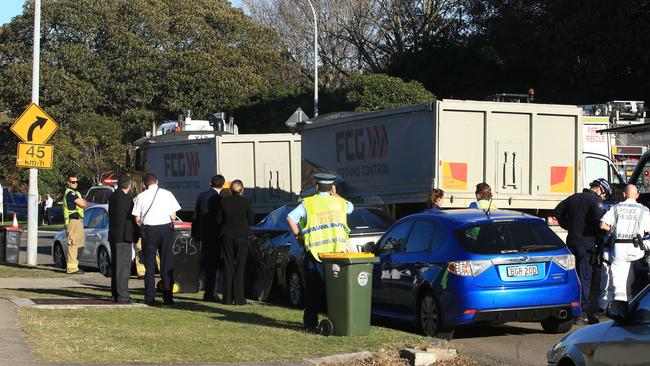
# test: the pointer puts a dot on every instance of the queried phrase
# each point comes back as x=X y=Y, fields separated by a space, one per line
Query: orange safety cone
x=15 y=223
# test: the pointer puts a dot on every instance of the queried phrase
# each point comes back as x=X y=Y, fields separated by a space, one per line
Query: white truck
x=530 y=154
x=185 y=161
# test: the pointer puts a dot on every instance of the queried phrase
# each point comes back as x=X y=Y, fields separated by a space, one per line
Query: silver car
x=96 y=253
x=625 y=340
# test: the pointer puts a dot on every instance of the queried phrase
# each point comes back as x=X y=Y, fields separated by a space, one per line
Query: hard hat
x=604 y=184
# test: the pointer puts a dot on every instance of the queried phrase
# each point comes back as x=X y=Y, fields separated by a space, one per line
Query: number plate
x=522 y=271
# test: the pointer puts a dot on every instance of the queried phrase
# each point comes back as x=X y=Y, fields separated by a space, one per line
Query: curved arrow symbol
x=40 y=122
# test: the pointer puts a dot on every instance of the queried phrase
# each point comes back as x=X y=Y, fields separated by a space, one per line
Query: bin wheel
x=326 y=327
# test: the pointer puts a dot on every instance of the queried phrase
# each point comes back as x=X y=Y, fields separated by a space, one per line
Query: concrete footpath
x=14 y=347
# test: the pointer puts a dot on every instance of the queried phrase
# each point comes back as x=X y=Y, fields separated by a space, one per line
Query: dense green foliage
x=111 y=68
x=376 y=91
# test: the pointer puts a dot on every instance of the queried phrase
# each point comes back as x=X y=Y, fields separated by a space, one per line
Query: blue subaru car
x=461 y=267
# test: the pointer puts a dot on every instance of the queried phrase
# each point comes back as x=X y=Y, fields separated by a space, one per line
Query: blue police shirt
x=300 y=212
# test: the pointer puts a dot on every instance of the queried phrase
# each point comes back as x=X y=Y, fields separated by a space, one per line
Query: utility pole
x=313 y=11
x=32 y=195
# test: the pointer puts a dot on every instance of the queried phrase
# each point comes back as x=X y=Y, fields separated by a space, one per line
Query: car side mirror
x=618 y=311
x=369 y=247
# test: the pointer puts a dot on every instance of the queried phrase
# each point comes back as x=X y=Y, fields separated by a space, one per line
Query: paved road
x=44 y=256
x=513 y=344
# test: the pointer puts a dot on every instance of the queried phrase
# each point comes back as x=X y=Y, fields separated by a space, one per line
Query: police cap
x=324 y=178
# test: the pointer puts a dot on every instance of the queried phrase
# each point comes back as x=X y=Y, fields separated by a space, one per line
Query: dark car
x=275 y=257
x=14 y=202
x=462 y=267
x=622 y=341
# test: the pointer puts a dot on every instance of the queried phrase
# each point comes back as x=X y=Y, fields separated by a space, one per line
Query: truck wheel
x=295 y=290
x=104 y=262
x=557 y=326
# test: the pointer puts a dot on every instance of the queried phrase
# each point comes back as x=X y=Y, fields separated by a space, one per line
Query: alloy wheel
x=428 y=315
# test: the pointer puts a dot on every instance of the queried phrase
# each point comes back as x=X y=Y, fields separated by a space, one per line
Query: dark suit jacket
x=235 y=216
x=121 y=224
x=204 y=224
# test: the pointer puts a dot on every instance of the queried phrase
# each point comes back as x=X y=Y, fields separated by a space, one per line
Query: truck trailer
x=185 y=161
x=530 y=154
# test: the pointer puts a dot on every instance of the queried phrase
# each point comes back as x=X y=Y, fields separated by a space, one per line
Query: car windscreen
x=99 y=195
x=508 y=237
x=369 y=219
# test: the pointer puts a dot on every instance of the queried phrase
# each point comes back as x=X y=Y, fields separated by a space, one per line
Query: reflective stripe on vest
x=67 y=212
x=327 y=229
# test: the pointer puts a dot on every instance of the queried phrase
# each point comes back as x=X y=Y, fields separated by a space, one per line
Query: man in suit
x=206 y=229
x=121 y=235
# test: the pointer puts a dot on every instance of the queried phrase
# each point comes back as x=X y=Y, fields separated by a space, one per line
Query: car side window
x=642 y=313
x=88 y=216
x=395 y=239
x=420 y=238
x=102 y=219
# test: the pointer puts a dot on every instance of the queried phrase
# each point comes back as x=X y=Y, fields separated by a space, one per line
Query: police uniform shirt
x=164 y=205
x=628 y=219
x=300 y=212
x=580 y=215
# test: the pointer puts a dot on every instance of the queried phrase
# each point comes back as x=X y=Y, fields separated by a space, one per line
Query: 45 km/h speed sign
x=34 y=156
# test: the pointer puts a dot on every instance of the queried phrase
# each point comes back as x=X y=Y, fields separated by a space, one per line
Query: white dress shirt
x=164 y=205
x=49 y=202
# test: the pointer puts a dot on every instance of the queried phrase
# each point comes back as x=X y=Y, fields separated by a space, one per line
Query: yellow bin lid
x=346 y=255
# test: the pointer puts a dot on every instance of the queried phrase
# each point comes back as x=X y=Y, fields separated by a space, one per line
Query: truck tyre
x=557 y=326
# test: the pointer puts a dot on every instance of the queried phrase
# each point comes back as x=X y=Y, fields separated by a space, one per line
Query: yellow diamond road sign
x=34 y=156
x=34 y=125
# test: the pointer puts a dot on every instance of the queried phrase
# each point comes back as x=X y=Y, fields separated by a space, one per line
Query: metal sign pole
x=32 y=195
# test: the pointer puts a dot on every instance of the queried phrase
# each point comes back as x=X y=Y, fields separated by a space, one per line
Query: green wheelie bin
x=348 y=282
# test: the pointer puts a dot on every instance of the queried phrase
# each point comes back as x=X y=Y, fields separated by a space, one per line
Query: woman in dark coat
x=235 y=216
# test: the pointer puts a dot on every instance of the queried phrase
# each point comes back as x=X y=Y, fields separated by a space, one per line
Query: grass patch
x=191 y=331
x=18 y=270
x=23 y=224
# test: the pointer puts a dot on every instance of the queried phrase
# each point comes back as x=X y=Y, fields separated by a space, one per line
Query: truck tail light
x=468 y=268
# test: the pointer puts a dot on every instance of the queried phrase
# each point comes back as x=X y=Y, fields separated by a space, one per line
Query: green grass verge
x=23 y=224
x=19 y=270
x=191 y=331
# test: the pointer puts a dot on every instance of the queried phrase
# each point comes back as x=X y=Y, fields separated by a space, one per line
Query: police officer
x=580 y=214
x=323 y=218
x=628 y=222
x=73 y=214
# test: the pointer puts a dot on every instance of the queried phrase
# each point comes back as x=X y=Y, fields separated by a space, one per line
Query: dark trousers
x=48 y=218
x=585 y=273
x=235 y=251
x=121 y=269
x=158 y=238
x=211 y=264
x=314 y=290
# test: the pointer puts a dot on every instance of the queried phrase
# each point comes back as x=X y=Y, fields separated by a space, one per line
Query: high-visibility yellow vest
x=486 y=204
x=67 y=212
x=326 y=230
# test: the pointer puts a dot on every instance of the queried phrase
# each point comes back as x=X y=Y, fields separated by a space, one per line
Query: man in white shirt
x=628 y=221
x=49 y=202
x=155 y=210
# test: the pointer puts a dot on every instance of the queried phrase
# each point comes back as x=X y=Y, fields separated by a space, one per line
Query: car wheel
x=557 y=326
x=428 y=317
x=59 y=256
x=295 y=290
x=104 y=262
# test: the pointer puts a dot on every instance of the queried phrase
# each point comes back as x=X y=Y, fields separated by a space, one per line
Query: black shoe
x=125 y=301
x=151 y=303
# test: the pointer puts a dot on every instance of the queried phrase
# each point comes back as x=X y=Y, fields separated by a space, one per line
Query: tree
x=119 y=66
x=375 y=92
